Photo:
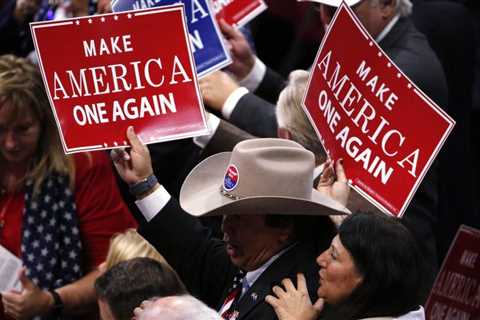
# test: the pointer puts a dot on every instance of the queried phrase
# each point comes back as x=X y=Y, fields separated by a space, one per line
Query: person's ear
x=284 y=133
x=387 y=8
x=286 y=235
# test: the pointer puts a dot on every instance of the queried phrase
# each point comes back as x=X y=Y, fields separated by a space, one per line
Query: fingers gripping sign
x=292 y=303
x=333 y=183
x=242 y=55
x=216 y=88
x=135 y=165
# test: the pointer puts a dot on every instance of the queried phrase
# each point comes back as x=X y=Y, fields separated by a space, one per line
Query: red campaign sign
x=115 y=70
x=237 y=12
x=366 y=111
x=456 y=291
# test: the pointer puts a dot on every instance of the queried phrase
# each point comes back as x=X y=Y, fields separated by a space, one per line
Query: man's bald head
x=178 y=308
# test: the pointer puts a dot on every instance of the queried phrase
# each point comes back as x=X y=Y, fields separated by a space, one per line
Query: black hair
x=386 y=255
x=316 y=230
x=128 y=283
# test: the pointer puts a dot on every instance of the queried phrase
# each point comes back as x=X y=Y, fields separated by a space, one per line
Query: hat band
x=229 y=195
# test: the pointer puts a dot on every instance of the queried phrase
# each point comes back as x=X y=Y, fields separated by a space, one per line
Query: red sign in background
x=456 y=291
x=366 y=111
x=104 y=73
x=238 y=12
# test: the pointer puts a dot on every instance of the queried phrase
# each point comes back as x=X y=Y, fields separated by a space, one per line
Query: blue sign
x=207 y=45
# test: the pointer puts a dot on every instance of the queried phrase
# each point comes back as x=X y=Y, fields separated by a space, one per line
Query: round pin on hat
x=231 y=178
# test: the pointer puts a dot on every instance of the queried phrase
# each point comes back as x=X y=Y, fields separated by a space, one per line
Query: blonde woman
x=57 y=212
x=128 y=245
x=136 y=270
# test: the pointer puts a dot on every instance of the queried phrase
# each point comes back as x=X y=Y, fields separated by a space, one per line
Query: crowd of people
x=252 y=221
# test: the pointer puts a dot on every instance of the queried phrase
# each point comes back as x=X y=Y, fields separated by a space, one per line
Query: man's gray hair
x=402 y=7
x=183 y=307
x=290 y=114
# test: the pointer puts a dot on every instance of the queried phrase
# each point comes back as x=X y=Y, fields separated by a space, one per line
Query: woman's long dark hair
x=386 y=255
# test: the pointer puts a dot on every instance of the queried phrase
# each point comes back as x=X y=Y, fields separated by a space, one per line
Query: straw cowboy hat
x=260 y=176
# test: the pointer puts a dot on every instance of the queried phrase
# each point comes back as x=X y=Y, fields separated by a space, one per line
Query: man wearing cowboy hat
x=260 y=188
x=388 y=22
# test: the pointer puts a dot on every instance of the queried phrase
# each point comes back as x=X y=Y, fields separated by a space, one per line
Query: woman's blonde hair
x=129 y=245
x=21 y=87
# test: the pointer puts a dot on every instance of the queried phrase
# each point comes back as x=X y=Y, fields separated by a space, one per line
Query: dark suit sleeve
x=225 y=138
x=200 y=260
x=271 y=86
x=256 y=116
x=255 y=113
x=15 y=38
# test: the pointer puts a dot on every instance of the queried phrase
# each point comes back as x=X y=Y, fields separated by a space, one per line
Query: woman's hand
x=333 y=183
x=292 y=303
x=31 y=301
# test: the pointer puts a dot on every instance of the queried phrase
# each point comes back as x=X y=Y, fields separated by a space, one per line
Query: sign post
x=113 y=71
x=366 y=111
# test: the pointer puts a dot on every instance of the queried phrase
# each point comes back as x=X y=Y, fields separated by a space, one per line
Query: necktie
x=227 y=311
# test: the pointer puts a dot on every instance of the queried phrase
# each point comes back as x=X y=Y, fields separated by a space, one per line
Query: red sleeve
x=100 y=207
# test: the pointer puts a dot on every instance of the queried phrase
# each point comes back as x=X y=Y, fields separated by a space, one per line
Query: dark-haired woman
x=372 y=269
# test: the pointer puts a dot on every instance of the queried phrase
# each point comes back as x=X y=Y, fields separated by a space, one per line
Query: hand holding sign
x=333 y=183
x=367 y=112
x=216 y=88
x=135 y=166
x=242 y=55
x=111 y=75
x=31 y=301
x=207 y=45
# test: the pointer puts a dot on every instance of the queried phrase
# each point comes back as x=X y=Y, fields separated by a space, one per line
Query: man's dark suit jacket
x=204 y=266
x=410 y=51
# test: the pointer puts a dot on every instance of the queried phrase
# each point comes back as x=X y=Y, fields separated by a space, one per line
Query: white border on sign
x=417 y=90
x=249 y=17
x=176 y=7
x=221 y=39
x=222 y=43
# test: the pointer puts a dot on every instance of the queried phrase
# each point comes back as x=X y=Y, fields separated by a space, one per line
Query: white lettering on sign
x=143 y=4
x=196 y=40
x=442 y=311
x=113 y=45
x=218 y=5
x=131 y=108
x=112 y=78
x=469 y=259
x=379 y=89
x=198 y=9
x=458 y=287
x=94 y=113
x=364 y=116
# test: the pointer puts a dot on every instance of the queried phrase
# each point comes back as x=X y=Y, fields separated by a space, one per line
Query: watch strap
x=57 y=304
x=143 y=186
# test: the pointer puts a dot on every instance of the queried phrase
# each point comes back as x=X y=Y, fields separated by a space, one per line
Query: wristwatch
x=143 y=186
x=58 y=306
